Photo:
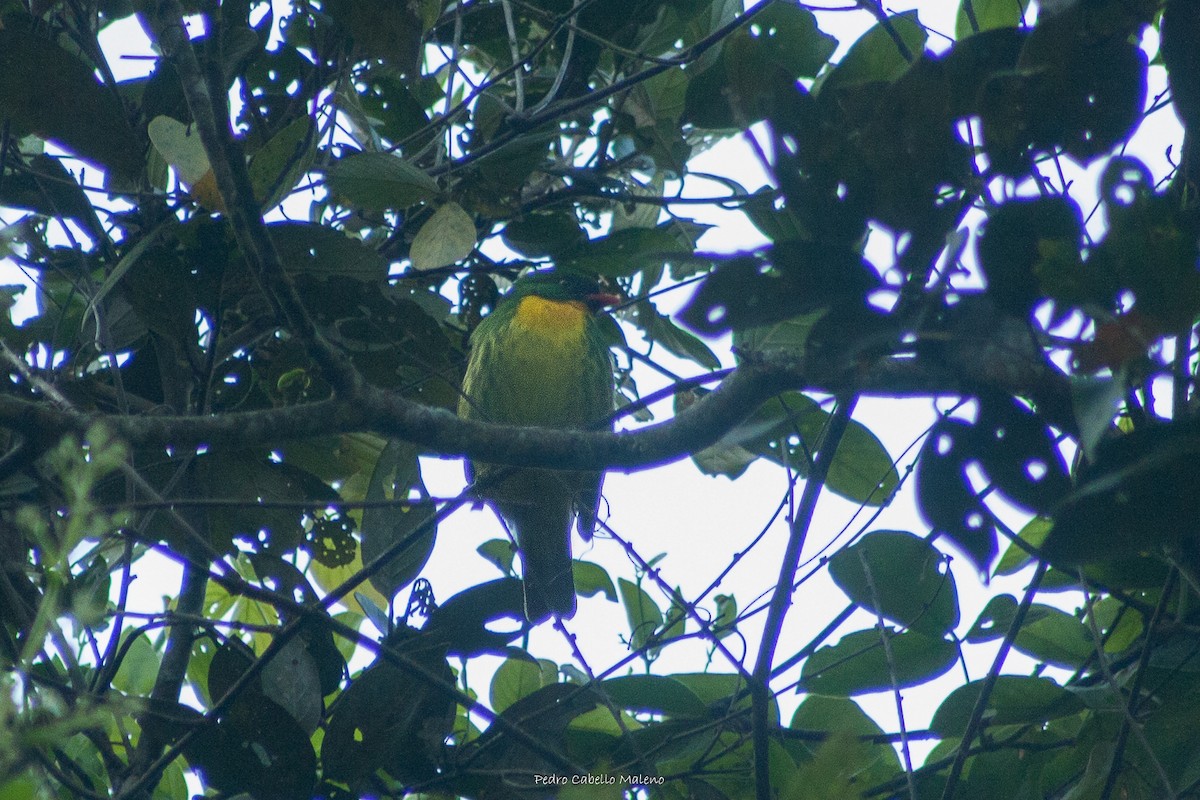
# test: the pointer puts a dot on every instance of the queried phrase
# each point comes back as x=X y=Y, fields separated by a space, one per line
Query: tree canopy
x=256 y=269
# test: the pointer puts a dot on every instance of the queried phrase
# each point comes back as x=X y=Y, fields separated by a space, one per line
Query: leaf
x=397 y=476
x=291 y=680
x=309 y=249
x=1055 y=637
x=180 y=146
x=858 y=663
x=900 y=576
x=446 y=238
x=1015 y=558
x=988 y=15
x=390 y=719
x=946 y=499
x=592 y=579
x=876 y=55
x=1014 y=700
x=545 y=233
x=379 y=182
x=1136 y=497
x=789 y=336
x=139 y=666
x=778 y=283
x=624 y=253
x=782 y=43
x=1096 y=402
x=48 y=91
x=466 y=623
x=678 y=342
x=791 y=427
x=654 y=694
x=499 y=552
x=514 y=679
x=643 y=614
x=995 y=620
x=277 y=165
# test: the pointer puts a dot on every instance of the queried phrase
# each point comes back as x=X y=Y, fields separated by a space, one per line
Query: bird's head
x=564 y=287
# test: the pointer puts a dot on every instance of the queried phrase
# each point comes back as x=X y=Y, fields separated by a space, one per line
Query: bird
x=541 y=358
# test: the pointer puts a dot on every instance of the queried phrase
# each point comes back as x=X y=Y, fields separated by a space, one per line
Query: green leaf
x=789 y=336
x=781 y=44
x=678 y=342
x=995 y=619
x=446 y=238
x=277 y=165
x=500 y=552
x=542 y=234
x=876 y=56
x=788 y=35
x=379 y=182
x=901 y=576
x=988 y=15
x=1055 y=637
x=1015 y=700
x=397 y=476
x=858 y=663
x=514 y=679
x=1015 y=558
x=723 y=692
x=725 y=621
x=862 y=470
x=139 y=668
x=643 y=614
x=625 y=252
x=654 y=694
x=1095 y=401
x=21 y=788
x=592 y=579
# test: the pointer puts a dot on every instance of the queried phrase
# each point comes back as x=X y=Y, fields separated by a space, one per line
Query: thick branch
x=438 y=432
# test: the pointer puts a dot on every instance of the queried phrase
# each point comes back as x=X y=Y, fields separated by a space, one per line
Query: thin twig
x=839 y=421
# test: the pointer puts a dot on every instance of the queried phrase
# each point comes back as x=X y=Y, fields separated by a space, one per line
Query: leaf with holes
x=1019 y=454
x=945 y=496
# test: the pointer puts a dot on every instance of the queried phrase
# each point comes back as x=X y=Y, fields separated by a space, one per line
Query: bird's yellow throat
x=552 y=318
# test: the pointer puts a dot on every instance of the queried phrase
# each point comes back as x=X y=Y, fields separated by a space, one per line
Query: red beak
x=603 y=299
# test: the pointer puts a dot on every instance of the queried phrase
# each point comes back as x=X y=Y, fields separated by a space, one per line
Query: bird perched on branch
x=541 y=359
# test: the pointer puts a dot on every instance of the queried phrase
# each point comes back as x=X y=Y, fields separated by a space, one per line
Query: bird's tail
x=543 y=532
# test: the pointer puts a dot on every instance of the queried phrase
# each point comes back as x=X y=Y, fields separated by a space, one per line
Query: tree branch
x=954 y=371
x=210 y=109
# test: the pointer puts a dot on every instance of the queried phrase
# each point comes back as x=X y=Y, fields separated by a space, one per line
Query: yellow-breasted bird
x=541 y=359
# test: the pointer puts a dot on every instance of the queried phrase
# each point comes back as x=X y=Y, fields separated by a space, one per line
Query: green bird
x=541 y=359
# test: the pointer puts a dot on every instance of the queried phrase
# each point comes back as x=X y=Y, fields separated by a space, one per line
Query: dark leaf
x=464 y=622
x=1137 y=496
x=796 y=278
x=47 y=91
x=391 y=719
x=900 y=576
x=859 y=664
x=1014 y=700
x=947 y=501
x=397 y=477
